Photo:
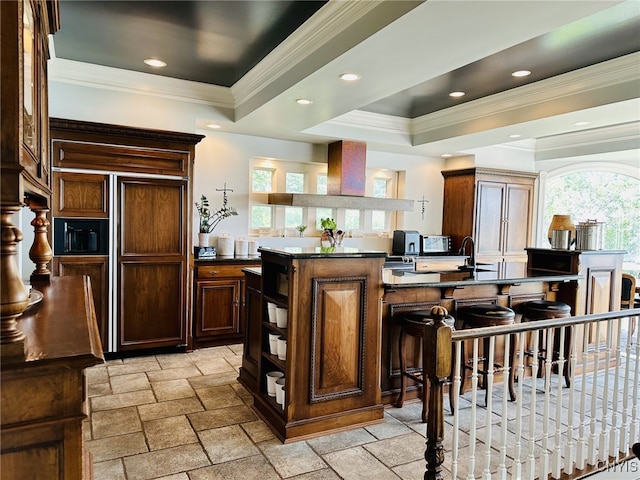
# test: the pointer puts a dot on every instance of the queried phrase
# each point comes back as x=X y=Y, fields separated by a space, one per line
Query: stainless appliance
x=435 y=244
x=406 y=242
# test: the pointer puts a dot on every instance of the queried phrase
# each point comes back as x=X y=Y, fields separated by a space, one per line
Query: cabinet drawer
x=215 y=271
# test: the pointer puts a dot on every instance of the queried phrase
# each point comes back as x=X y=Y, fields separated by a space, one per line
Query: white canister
x=242 y=247
x=225 y=245
x=273 y=343
x=280 y=391
x=271 y=382
x=281 y=317
x=272 y=312
x=282 y=348
x=253 y=247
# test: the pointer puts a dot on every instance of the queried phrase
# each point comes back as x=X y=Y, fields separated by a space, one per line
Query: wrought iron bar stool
x=547 y=310
x=412 y=324
x=488 y=315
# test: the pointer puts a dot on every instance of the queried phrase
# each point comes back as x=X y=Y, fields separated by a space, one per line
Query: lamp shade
x=562 y=222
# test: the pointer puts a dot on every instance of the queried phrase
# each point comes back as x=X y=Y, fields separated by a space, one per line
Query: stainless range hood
x=345 y=184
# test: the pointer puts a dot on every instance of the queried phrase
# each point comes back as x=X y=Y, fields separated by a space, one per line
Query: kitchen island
x=341 y=362
x=328 y=303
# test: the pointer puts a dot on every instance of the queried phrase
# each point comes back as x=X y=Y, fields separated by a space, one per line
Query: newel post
x=437 y=361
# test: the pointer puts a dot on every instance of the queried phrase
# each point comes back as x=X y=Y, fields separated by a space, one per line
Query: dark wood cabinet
x=219 y=302
x=252 y=346
x=495 y=207
x=332 y=342
x=147 y=197
x=97 y=269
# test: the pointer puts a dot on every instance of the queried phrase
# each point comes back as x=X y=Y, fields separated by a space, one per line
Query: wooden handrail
x=469 y=334
x=437 y=351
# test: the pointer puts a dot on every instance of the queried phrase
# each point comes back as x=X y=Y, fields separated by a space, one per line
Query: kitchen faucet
x=471 y=261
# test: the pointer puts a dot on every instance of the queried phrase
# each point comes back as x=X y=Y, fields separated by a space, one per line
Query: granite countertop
x=323 y=252
x=495 y=274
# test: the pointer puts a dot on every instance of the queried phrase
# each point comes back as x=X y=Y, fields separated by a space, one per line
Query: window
x=262 y=180
x=269 y=175
x=321 y=185
x=294 y=183
x=323 y=213
x=352 y=219
x=293 y=217
x=378 y=219
x=608 y=197
x=260 y=216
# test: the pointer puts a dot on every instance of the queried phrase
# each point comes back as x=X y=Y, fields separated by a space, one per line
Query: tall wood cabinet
x=494 y=207
x=140 y=182
x=332 y=302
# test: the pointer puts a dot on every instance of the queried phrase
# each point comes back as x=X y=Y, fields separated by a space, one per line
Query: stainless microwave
x=435 y=244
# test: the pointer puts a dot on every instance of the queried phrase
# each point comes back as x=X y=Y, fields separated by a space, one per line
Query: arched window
x=606 y=196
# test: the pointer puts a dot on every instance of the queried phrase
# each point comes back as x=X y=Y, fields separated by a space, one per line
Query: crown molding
x=109 y=78
x=376 y=122
x=609 y=74
x=328 y=22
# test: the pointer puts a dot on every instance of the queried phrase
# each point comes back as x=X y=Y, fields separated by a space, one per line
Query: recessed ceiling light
x=154 y=62
x=515 y=135
x=349 y=77
x=456 y=94
x=581 y=124
x=213 y=126
x=521 y=73
x=304 y=101
x=446 y=155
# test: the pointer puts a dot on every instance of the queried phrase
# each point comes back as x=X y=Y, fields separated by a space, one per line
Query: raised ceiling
x=256 y=57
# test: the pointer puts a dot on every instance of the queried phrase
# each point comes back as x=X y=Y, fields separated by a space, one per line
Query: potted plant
x=328 y=238
x=209 y=220
x=301 y=228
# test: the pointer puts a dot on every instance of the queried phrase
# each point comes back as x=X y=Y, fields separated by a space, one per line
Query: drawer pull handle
x=213 y=272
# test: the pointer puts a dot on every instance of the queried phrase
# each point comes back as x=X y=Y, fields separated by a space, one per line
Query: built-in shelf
x=339 y=201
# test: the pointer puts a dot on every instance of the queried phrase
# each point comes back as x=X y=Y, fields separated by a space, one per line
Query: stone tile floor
x=184 y=416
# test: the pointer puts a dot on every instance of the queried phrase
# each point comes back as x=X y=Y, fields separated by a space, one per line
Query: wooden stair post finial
x=40 y=252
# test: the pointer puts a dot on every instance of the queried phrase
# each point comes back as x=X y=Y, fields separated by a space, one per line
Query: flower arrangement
x=301 y=228
x=208 y=219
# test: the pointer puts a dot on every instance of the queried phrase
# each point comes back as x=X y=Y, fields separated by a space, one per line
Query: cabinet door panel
x=518 y=207
x=217 y=307
x=337 y=339
x=152 y=217
x=96 y=268
x=81 y=195
x=151 y=304
x=489 y=222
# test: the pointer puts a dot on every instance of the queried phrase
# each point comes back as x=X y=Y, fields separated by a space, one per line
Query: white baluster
x=570 y=449
x=489 y=390
x=556 y=463
x=626 y=416
x=592 y=442
x=615 y=428
x=456 y=409
x=502 y=467
x=604 y=425
x=517 y=460
x=530 y=468
x=548 y=364
x=581 y=458
x=472 y=424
